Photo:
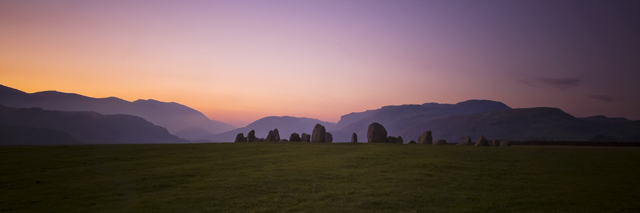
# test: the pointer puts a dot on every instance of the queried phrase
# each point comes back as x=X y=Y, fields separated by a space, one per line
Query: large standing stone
x=239 y=138
x=376 y=133
x=273 y=136
x=306 y=137
x=328 y=138
x=276 y=134
x=505 y=143
x=440 y=142
x=425 y=138
x=354 y=138
x=319 y=134
x=294 y=137
x=482 y=141
x=269 y=137
x=391 y=139
x=465 y=142
x=251 y=137
x=400 y=140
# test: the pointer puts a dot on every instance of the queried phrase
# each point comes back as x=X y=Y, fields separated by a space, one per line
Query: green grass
x=307 y=177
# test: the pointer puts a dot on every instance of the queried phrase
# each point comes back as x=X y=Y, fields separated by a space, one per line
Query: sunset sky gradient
x=238 y=61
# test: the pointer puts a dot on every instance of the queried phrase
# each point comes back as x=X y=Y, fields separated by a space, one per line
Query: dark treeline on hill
x=178 y=119
x=35 y=126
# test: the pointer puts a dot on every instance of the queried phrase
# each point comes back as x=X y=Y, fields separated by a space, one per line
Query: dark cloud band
x=605 y=98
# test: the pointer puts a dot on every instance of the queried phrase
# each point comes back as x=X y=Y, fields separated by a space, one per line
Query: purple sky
x=238 y=61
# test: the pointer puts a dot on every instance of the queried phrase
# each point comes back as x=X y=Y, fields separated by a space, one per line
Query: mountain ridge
x=395 y=118
x=171 y=115
x=447 y=121
x=84 y=127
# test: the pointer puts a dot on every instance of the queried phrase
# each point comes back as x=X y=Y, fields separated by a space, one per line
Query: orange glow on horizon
x=238 y=61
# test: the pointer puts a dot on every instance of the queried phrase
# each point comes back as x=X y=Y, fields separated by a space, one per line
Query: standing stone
x=495 y=142
x=239 y=138
x=319 y=134
x=440 y=142
x=269 y=137
x=465 y=142
x=328 y=138
x=276 y=134
x=294 y=137
x=391 y=139
x=400 y=140
x=412 y=142
x=273 y=136
x=425 y=138
x=251 y=137
x=482 y=141
x=505 y=143
x=354 y=138
x=376 y=133
x=306 y=137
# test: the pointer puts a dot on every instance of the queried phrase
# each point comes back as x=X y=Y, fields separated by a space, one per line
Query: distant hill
x=492 y=119
x=39 y=126
x=621 y=128
x=193 y=133
x=285 y=124
x=173 y=116
x=396 y=119
x=19 y=135
x=515 y=124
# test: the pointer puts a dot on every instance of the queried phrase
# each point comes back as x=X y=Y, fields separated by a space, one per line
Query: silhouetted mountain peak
x=482 y=105
x=398 y=117
x=87 y=127
x=173 y=116
x=10 y=92
x=56 y=94
x=434 y=104
x=604 y=119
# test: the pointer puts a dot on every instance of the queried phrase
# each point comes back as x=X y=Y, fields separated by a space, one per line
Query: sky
x=238 y=61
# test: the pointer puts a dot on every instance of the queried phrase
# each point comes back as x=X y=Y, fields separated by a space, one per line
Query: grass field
x=311 y=177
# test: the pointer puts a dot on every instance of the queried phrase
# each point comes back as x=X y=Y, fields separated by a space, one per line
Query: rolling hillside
x=81 y=127
x=173 y=116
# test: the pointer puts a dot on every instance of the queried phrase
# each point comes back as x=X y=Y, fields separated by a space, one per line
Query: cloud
x=558 y=83
x=604 y=98
x=529 y=83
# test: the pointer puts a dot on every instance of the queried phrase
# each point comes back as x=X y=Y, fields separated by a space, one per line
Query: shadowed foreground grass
x=276 y=177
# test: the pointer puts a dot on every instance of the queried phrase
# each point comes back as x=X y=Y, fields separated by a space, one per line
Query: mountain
x=173 y=116
x=19 y=135
x=193 y=133
x=82 y=127
x=285 y=125
x=396 y=119
x=622 y=128
x=515 y=124
x=492 y=119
